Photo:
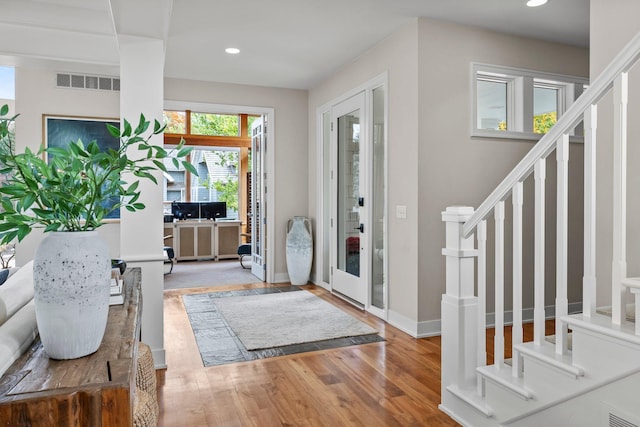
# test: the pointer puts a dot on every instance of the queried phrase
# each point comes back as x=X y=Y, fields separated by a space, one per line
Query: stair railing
x=464 y=311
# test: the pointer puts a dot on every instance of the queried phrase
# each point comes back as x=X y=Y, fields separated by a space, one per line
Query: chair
x=243 y=250
x=169 y=254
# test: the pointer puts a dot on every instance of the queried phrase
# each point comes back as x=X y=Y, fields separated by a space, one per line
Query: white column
x=459 y=305
x=141 y=91
x=619 y=262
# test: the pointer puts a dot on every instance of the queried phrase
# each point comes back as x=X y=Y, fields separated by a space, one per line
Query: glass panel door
x=258 y=199
x=350 y=225
x=378 y=205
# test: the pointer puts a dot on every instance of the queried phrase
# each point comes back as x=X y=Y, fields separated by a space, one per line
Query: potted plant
x=69 y=192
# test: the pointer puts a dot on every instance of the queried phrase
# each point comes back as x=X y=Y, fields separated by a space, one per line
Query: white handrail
x=600 y=86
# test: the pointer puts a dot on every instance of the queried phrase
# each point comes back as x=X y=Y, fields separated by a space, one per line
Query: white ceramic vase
x=71 y=278
x=299 y=250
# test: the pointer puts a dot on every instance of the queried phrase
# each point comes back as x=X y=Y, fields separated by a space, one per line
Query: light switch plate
x=401 y=212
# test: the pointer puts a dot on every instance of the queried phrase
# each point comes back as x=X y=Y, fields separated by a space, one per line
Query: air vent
x=617 y=421
x=618 y=418
x=82 y=81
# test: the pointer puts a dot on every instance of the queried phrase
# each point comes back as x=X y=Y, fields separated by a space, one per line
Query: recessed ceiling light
x=536 y=3
x=232 y=50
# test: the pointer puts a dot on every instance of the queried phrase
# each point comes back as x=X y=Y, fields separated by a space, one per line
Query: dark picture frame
x=59 y=131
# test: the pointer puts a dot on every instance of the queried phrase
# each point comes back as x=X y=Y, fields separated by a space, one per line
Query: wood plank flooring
x=390 y=383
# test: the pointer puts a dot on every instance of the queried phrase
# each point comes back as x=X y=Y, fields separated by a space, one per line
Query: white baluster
x=540 y=176
x=589 y=275
x=619 y=262
x=562 y=242
x=498 y=344
x=481 y=231
x=516 y=331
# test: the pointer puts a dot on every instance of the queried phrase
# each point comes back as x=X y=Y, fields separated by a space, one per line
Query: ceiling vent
x=85 y=81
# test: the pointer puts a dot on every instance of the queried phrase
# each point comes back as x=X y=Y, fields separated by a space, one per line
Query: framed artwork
x=59 y=131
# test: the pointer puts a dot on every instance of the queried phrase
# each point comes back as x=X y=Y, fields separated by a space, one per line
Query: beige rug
x=280 y=319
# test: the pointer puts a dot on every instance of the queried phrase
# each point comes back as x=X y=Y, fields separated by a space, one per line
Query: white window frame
x=520 y=83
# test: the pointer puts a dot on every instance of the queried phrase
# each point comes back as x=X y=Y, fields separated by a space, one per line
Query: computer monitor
x=213 y=210
x=185 y=210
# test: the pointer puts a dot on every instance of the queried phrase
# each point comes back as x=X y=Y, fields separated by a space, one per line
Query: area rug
x=259 y=323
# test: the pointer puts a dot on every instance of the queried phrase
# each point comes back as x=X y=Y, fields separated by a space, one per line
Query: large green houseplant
x=68 y=192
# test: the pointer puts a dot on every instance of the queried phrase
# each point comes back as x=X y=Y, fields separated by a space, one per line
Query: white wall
x=613 y=24
x=397 y=55
x=433 y=162
x=456 y=169
x=37 y=94
x=291 y=169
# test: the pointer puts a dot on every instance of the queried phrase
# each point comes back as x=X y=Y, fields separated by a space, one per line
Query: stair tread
x=631 y=282
x=547 y=353
x=471 y=396
x=630 y=312
x=503 y=376
x=602 y=324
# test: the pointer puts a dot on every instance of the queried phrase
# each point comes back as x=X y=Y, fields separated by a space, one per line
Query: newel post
x=459 y=303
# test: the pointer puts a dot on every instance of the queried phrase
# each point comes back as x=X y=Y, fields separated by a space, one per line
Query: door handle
x=360 y=227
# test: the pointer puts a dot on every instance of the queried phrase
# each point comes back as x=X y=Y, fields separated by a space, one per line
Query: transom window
x=520 y=104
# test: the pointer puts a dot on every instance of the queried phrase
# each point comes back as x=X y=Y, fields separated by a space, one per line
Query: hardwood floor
x=390 y=383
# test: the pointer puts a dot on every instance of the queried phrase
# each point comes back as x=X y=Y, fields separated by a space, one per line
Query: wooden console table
x=95 y=390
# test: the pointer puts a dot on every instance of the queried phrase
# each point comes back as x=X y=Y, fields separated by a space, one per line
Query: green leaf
x=159 y=165
x=188 y=166
x=127 y=129
x=23 y=230
x=114 y=131
x=184 y=151
x=4 y=110
x=143 y=125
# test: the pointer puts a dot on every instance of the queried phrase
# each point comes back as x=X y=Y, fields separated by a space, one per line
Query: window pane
x=545 y=108
x=492 y=104
x=214 y=124
x=175 y=121
x=250 y=120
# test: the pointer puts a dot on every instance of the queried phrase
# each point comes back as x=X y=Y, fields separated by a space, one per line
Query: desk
x=203 y=239
x=95 y=390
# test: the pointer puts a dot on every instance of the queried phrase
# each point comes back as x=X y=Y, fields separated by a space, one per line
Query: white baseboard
x=403 y=323
x=281 y=278
x=430 y=328
x=527 y=314
x=159 y=359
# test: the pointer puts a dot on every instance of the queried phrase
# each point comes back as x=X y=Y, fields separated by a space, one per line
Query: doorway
x=352 y=202
x=248 y=190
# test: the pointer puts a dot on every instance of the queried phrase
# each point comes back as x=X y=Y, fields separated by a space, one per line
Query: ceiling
x=284 y=43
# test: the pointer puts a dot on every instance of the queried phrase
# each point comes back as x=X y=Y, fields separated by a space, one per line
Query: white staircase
x=590 y=375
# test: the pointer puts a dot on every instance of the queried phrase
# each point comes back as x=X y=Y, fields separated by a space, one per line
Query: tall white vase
x=299 y=250
x=71 y=278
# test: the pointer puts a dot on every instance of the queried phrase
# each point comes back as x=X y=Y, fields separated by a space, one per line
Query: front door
x=350 y=230
x=258 y=198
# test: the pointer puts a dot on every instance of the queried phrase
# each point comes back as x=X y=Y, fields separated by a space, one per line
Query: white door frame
x=321 y=228
x=269 y=159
